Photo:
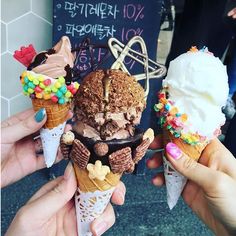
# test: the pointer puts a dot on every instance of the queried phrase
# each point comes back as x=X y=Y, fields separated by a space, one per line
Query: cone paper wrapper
x=50 y=142
x=53 y=128
x=92 y=197
x=90 y=205
x=175 y=182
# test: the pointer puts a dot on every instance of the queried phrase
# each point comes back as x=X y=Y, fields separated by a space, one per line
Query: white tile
x=38 y=33
x=43 y=8
x=11 y=9
x=4 y=109
x=3 y=38
x=10 y=76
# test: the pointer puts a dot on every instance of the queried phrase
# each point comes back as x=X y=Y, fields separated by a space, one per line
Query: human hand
x=51 y=210
x=232 y=13
x=211 y=187
x=18 y=148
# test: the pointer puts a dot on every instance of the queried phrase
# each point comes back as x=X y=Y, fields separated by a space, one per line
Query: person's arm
x=211 y=188
x=51 y=210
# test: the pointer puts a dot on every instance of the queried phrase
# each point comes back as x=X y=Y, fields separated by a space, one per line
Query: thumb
x=45 y=206
x=25 y=127
x=190 y=168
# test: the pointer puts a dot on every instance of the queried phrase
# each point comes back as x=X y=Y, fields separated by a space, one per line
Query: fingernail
x=120 y=194
x=68 y=171
x=100 y=228
x=39 y=115
x=173 y=151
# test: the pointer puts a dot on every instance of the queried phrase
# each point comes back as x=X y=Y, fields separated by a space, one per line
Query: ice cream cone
x=92 y=197
x=56 y=113
x=54 y=127
x=48 y=82
x=175 y=182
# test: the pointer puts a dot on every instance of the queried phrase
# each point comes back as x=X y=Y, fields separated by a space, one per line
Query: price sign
x=100 y=20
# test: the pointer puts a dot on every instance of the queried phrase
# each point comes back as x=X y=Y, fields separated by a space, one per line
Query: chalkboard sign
x=100 y=20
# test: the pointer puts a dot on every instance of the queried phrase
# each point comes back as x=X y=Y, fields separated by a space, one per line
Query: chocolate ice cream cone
x=92 y=197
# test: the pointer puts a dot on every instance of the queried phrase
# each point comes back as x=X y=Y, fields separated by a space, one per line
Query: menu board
x=100 y=20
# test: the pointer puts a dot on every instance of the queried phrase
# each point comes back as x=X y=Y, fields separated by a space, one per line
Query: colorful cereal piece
x=39 y=95
x=30 y=77
x=59 y=94
x=35 y=81
x=38 y=89
x=24 y=74
x=42 y=86
x=184 y=117
x=68 y=94
x=63 y=89
x=173 y=111
x=57 y=84
x=61 y=79
x=31 y=85
x=46 y=96
x=54 y=89
x=54 y=98
x=47 y=82
x=41 y=78
x=30 y=90
x=76 y=84
x=47 y=90
x=73 y=91
x=61 y=101
x=25 y=88
x=26 y=79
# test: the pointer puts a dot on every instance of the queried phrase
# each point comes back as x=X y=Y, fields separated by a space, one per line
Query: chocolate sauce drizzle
x=40 y=58
x=69 y=74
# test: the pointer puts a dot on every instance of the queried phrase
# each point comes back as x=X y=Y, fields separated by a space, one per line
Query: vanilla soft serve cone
x=190 y=109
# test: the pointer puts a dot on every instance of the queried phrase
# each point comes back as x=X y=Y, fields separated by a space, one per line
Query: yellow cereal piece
x=184 y=117
x=40 y=78
x=24 y=73
x=46 y=96
x=159 y=106
x=30 y=77
x=39 y=95
x=163 y=100
x=173 y=111
x=76 y=85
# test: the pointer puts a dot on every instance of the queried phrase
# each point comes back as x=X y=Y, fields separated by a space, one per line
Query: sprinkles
x=171 y=119
x=42 y=87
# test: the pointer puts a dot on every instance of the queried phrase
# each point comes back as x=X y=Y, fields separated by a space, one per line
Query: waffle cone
x=56 y=113
x=86 y=184
x=193 y=151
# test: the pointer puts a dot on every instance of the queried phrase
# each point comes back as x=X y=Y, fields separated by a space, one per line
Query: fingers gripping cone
x=175 y=182
x=96 y=182
x=54 y=127
x=92 y=197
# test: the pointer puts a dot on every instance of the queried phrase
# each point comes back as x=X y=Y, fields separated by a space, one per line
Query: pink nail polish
x=173 y=151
